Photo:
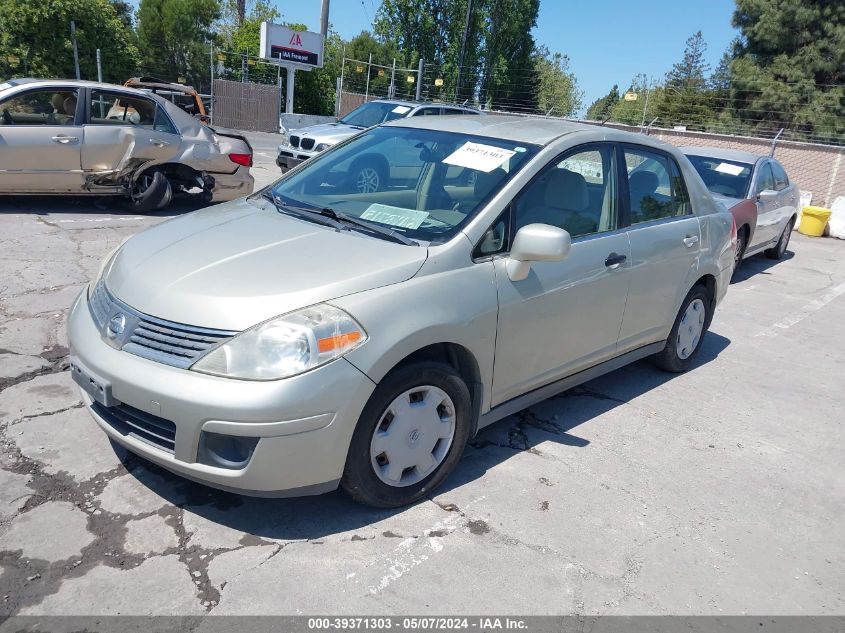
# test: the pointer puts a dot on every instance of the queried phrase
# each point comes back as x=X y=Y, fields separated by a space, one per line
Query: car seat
x=564 y=203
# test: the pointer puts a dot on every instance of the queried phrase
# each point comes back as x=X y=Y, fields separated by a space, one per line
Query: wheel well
x=461 y=360
x=709 y=283
x=744 y=229
x=179 y=174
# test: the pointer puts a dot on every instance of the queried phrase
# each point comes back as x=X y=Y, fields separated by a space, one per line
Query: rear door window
x=114 y=108
x=779 y=173
x=765 y=178
x=655 y=187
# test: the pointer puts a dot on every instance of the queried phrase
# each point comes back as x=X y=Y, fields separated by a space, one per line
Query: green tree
x=687 y=101
x=557 y=88
x=383 y=53
x=602 y=107
x=175 y=36
x=35 y=39
x=789 y=70
x=648 y=103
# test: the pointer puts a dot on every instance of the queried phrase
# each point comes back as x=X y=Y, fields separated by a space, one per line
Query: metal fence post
x=391 y=92
x=99 y=67
x=420 y=78
x=211 y=89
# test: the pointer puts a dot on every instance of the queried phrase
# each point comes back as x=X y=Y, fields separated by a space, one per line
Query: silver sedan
x=313 y=335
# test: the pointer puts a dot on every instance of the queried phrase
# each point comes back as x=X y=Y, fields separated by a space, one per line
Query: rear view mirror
x=536 y=243
x=767 y=195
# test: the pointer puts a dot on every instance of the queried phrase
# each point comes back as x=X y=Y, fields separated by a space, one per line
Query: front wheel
x=150 y=191
x=689 y=328
x=741 y=245
x=410 y=436
x=779 y=249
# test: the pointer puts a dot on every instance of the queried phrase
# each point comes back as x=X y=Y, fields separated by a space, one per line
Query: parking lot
x=718 y=491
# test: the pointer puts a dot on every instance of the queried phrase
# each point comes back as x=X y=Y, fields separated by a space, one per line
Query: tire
x=779 y=250
x=431 y=387
x=683 y=345
x=741 y=246
x=150 y=191
x=368 y=176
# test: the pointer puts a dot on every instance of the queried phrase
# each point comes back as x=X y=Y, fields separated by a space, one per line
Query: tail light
x=241 y=159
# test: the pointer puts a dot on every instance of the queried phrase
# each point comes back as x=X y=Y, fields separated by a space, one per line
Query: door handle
x=614 y=260
x=64 y=140
x=159 y=143
x=691 y=240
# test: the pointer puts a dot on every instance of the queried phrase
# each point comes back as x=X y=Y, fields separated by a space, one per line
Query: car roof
x=523 y=129
x=419 y=104
x=723 y=154
x=64 y=83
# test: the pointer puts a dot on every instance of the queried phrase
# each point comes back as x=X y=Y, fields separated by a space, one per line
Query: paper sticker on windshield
x=727 y=168
x=394 y=216
x=400 y=109
x=478 y=156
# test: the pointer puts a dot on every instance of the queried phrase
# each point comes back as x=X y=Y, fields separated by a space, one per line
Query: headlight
x=285 y=143
x=323 y=146
x=285 y=346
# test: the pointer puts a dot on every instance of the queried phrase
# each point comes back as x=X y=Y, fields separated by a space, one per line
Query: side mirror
x=536 y=243
x=767 y=195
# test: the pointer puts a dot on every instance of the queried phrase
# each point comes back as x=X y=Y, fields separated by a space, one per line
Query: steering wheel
x=7 y=118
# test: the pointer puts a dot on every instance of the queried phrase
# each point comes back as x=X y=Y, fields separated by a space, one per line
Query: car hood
x=327 y=132
x=238 y=264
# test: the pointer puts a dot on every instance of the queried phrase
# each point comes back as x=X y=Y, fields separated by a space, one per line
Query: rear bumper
x=232 y=186
x=302 y=425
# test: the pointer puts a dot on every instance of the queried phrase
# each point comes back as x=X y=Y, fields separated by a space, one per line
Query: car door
x=40 y=141
x=787 y=196
x=565 y=316
x=665 y=239
x=768 y=206
x=123 y=130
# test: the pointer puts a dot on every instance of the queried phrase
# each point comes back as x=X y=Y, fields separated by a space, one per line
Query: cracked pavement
x=720 y=491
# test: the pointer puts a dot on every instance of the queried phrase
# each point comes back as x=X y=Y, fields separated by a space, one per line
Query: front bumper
x=303 y=424
x=232 y=186
x=289 y=157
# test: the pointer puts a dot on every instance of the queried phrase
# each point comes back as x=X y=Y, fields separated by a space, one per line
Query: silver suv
x=313 y=336
x=304 y=143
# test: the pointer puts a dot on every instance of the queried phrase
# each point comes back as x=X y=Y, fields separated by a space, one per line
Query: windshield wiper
x=396 y=236
x=329 y=217
x=297 y=211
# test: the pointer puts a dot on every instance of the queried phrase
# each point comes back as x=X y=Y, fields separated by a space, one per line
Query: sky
x=608 y=42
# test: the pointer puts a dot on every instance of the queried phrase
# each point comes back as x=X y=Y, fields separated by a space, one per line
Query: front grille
x=294 y=142
x=307 y=143
x=148 y=428
x=163 y=341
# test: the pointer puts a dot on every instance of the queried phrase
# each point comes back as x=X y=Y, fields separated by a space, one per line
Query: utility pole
x=391 y=91
x=99 y=67
x=75 y=51
x=324 y=18
x=463 y=50
x=367 y=89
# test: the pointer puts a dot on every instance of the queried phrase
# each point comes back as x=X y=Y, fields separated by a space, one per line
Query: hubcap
x=413 y=436
x=142 y=184
x=690 y=329
x=367 y=180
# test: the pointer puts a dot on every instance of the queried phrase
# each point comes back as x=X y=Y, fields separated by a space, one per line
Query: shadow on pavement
x=331 y=513
x=758 y=265
x=105 y=206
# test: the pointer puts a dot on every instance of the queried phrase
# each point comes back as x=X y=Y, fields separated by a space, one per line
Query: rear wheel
x=368 y=176
x=409 y=437
x=779 y=249
x=689 y=328
x=150 y=191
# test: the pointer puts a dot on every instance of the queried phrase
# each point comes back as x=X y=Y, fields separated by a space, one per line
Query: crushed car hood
x=327 y=132
x=238 y=264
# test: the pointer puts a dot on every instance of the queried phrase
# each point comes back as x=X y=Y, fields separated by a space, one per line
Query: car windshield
x=422 y=184
x=375 y=112
x=726 y=177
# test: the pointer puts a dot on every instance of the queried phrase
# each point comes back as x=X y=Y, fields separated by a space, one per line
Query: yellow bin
x=813 y=221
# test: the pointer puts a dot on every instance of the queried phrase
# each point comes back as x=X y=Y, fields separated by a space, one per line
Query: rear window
x=725 y=177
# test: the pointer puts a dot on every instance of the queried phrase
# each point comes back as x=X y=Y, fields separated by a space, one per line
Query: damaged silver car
x=60 y=137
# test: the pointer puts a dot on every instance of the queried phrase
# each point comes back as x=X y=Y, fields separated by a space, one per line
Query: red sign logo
x=295 y=41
